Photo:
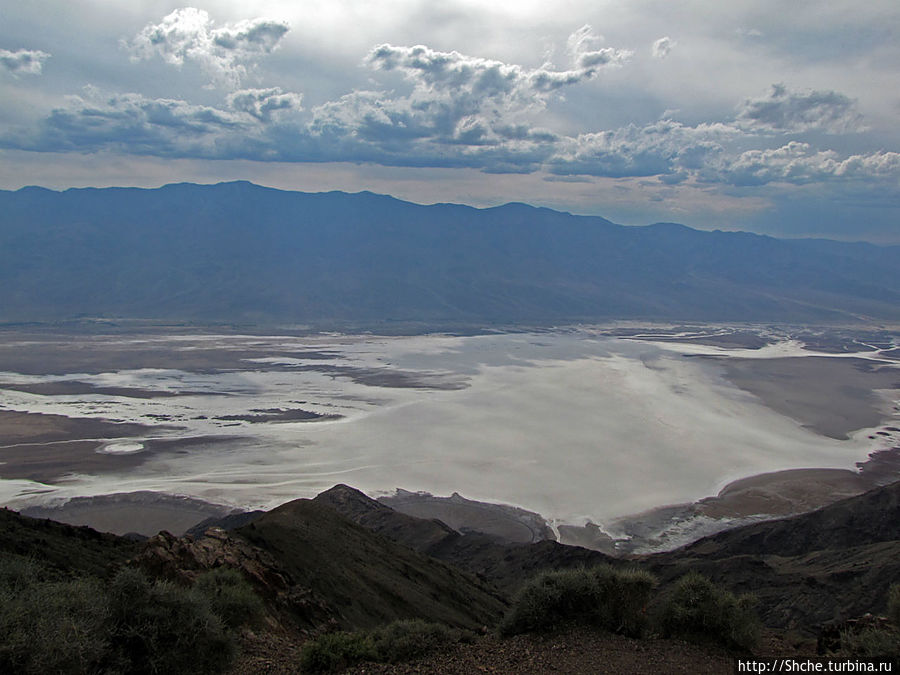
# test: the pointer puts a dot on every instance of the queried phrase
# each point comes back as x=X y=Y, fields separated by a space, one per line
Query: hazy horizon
x=738 y=116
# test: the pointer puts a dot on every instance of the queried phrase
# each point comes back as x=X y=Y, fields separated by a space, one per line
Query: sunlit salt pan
x=121 y=448
x=574 y=426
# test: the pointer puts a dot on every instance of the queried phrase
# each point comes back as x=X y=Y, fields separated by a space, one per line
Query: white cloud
x=225 y=53
x=23 y=61
x=584 y=46
x=783 y=110
x=459 y=99
x=800 y=163
x=661 y=48
x=265 y=104
x=132 y=123
x=666 y=148
x=457 y=111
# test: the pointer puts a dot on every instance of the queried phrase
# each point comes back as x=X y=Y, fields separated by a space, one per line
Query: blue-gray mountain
x=240 y=252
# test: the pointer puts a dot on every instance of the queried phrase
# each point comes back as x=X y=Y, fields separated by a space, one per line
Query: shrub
x=405 y=640
x=894 y=605
x=18 y=573
x=871 y=643
x=700 y=611
x=396 y=642
x=52 y=627
x=132 y=625
x=335 y=651
x=229 y=596
x=601 y=596
x=162 y=628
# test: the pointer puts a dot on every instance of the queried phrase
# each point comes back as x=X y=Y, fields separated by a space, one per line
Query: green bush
x=158 y=627
x=871 y=643
x=18 y=573
x=51 y=627
x=405 y=640
x=335 y=651
x=894 y=605
x=131 y=625
x=601 y=596
x=396 y=642
x=700 y=611
x=229 y=596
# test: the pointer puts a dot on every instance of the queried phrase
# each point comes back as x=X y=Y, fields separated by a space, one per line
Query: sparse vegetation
x=877 y=640
x=333 y=651
x=871 y=643
x=131 y=625
x=49 y=626
x=601 y=596
x=699 y=611
x=894 y=605
x=230 y=597
x=158 y=627
x=393 y=643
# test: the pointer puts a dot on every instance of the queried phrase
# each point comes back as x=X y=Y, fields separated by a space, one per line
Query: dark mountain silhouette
x=503 y=564
x=240 y=252
x=344 y=559
x=834 y=563
x=368 y=580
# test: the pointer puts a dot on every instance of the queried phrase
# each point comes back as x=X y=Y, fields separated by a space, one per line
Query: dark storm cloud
x=782 y=110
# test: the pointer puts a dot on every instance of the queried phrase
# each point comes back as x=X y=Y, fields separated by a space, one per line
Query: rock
x=183 y=559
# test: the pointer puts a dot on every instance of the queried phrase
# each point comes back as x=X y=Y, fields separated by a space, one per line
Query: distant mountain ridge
x=241 y=252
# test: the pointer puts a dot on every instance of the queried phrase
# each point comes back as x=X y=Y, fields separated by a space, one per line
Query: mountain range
x=238 y=252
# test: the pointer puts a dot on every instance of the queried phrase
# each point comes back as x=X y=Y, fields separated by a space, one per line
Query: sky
x=759 y=115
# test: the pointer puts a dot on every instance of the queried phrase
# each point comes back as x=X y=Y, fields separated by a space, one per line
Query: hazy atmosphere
x=761 y=116
x=387 y=337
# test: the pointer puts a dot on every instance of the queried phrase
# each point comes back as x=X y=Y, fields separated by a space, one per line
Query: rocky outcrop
x=182 y=559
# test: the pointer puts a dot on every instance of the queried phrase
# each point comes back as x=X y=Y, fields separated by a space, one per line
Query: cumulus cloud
x=661 y=48
x=132 y=123
x=584 y=46
x=800 y=163
x=784 y=111
x=265 y=104
x=264 y=125
x=23 y=61
x=225 y=53
x=665 y=148
x=457 y=111
x=452 y=72
x=460 y=99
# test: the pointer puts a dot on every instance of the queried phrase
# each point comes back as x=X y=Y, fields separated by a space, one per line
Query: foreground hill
x=833 y=563
x=240 y=252
x=344 y=560
x=367 y=580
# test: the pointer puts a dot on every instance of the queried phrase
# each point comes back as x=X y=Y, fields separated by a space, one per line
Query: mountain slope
x=870 y=518
x=506 y=565
x=834 y=563
x=367 y=580
x=236 y=251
